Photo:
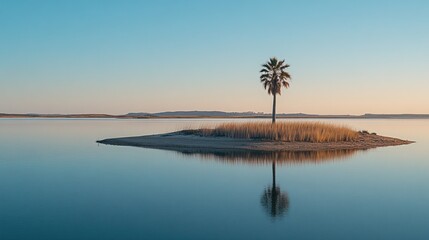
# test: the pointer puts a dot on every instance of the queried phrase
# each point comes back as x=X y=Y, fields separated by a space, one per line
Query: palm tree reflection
x=273 y=200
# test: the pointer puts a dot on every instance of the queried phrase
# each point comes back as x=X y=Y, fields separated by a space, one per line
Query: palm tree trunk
x=274 y=108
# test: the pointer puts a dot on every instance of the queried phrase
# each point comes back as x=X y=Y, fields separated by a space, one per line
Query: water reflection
x=263 y=158
x=274 y=201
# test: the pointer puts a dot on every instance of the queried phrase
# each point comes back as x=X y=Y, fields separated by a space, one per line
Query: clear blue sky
x=124 y=56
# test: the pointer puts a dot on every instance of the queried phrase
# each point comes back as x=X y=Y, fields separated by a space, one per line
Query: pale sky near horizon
x=148 y=56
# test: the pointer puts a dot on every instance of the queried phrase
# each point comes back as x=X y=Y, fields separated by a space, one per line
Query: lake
x=56 y=182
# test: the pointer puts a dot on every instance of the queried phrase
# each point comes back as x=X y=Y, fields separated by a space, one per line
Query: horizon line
x=220 y=111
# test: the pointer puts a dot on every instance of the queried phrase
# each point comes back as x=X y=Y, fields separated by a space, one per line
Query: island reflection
x=264 y=158
x=273 y=200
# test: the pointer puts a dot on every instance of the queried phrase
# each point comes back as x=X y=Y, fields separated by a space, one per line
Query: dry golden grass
x=283 y=131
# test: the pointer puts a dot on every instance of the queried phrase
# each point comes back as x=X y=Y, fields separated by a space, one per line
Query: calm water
x=57 y=183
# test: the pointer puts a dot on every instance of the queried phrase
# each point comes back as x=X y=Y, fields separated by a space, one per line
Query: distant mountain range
x=197 y=114
x=215 y=114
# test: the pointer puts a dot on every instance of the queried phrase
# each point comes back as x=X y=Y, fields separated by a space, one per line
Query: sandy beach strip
x=183 y=142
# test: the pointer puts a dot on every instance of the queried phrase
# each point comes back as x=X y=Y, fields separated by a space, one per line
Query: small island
x=262 y=136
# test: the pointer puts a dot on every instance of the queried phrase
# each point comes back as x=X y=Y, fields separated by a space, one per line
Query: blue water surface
x=56 y=182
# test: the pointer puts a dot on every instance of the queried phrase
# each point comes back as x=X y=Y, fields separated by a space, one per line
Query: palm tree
x=274 y=77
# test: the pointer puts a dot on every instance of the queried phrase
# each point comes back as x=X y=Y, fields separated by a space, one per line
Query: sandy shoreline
x=184 y=142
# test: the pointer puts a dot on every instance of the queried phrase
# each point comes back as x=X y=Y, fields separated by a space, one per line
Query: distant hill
x=220 y=114
x=197 y=114
x=36 y=115
x=396 y=116
x=216 y=114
